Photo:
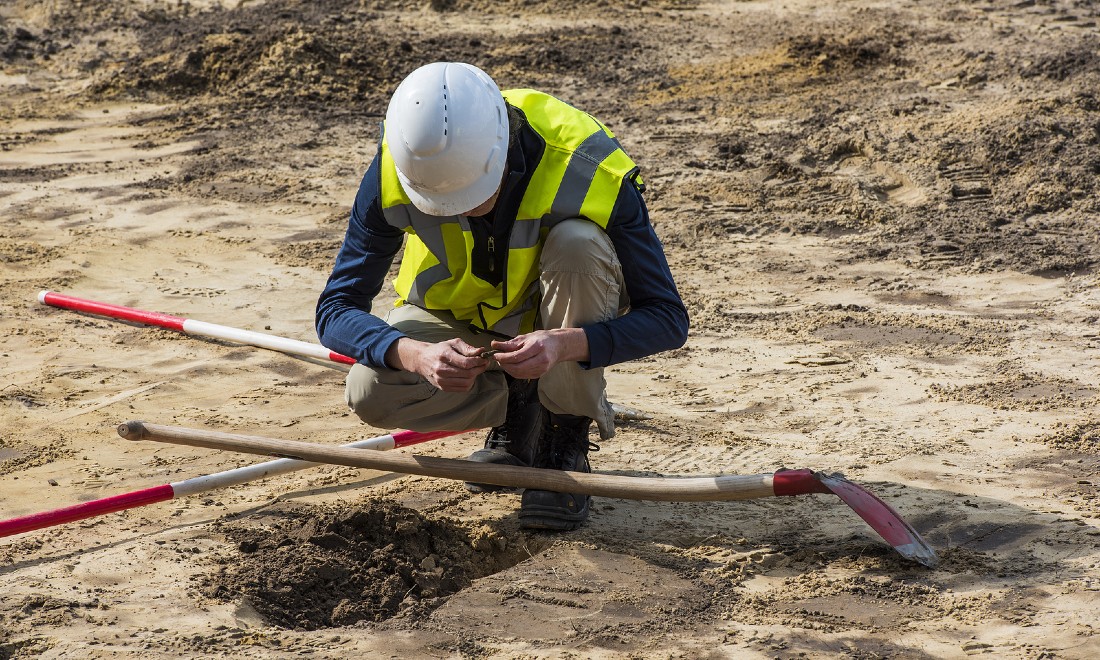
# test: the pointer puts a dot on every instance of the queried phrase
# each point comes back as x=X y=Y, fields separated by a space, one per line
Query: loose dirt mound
x=313 y=567
x=312 y=56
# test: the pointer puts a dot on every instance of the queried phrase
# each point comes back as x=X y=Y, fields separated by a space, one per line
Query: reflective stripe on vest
x=578 y=176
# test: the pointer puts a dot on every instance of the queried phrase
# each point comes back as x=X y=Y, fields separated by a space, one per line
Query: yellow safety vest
x=579 y=176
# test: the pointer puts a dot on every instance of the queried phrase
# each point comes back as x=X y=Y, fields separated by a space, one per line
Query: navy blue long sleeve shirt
x=657 y=320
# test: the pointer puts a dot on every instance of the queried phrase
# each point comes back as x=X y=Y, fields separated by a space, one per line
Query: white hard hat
x=447 y=129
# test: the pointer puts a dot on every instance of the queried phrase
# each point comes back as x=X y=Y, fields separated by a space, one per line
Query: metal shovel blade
x=882 y=518
x=876 y=513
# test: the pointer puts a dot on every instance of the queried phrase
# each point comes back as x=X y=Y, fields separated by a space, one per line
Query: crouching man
x=529 y=264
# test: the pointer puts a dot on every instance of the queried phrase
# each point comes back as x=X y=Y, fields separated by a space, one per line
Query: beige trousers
x=581 y=282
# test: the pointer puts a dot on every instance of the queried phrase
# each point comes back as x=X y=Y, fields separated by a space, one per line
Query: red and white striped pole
x=248 y=337
x=197 y=485
x=193 y=327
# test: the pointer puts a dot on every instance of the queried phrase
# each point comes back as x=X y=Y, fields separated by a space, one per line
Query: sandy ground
x=883 y=218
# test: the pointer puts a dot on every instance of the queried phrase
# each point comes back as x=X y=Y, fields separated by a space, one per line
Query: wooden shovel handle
x=669 y=489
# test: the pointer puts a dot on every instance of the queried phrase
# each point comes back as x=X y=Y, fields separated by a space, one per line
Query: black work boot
x=564 y=446
x=516 y=441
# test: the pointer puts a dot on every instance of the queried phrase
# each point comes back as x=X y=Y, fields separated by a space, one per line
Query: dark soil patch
x=313 y=56
x=314 y=567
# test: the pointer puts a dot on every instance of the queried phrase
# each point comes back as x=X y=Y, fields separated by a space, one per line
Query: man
x=530 y=264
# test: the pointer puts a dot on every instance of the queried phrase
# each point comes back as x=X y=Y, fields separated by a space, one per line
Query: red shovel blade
x=882 y=518
x=878 y=514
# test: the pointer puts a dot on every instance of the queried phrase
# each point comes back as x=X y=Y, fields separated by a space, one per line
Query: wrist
x=403 y=354
x=574 y=344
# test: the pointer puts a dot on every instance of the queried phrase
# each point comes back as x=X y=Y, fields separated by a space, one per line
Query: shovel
x=879 y=515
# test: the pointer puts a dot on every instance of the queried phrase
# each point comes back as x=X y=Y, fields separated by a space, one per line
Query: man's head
x=447 y=129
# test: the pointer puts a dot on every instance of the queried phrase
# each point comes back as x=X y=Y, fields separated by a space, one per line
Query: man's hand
x=451 y=365
x=533 y=354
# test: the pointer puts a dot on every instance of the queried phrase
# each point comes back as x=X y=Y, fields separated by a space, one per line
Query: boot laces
x=567 y=450
x=497 y=438
x=518 y=399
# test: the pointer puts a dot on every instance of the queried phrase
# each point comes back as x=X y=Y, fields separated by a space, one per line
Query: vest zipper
x=492 y=255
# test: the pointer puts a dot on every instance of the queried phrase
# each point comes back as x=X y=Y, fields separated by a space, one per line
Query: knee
x=578 y=245
x=381 y=398
x=359 y=401
x=370 y=413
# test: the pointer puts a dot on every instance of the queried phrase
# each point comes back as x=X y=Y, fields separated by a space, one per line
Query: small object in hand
x=488 y=353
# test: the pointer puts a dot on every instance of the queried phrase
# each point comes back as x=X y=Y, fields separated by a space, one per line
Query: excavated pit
x=310 y=567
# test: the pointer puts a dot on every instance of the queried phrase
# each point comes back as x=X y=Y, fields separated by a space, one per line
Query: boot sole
x=487 y=488
x=494 y=457
x=555 y=519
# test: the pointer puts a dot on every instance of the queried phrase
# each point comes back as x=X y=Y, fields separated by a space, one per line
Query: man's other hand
x=533 y=354
x=450 y=365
